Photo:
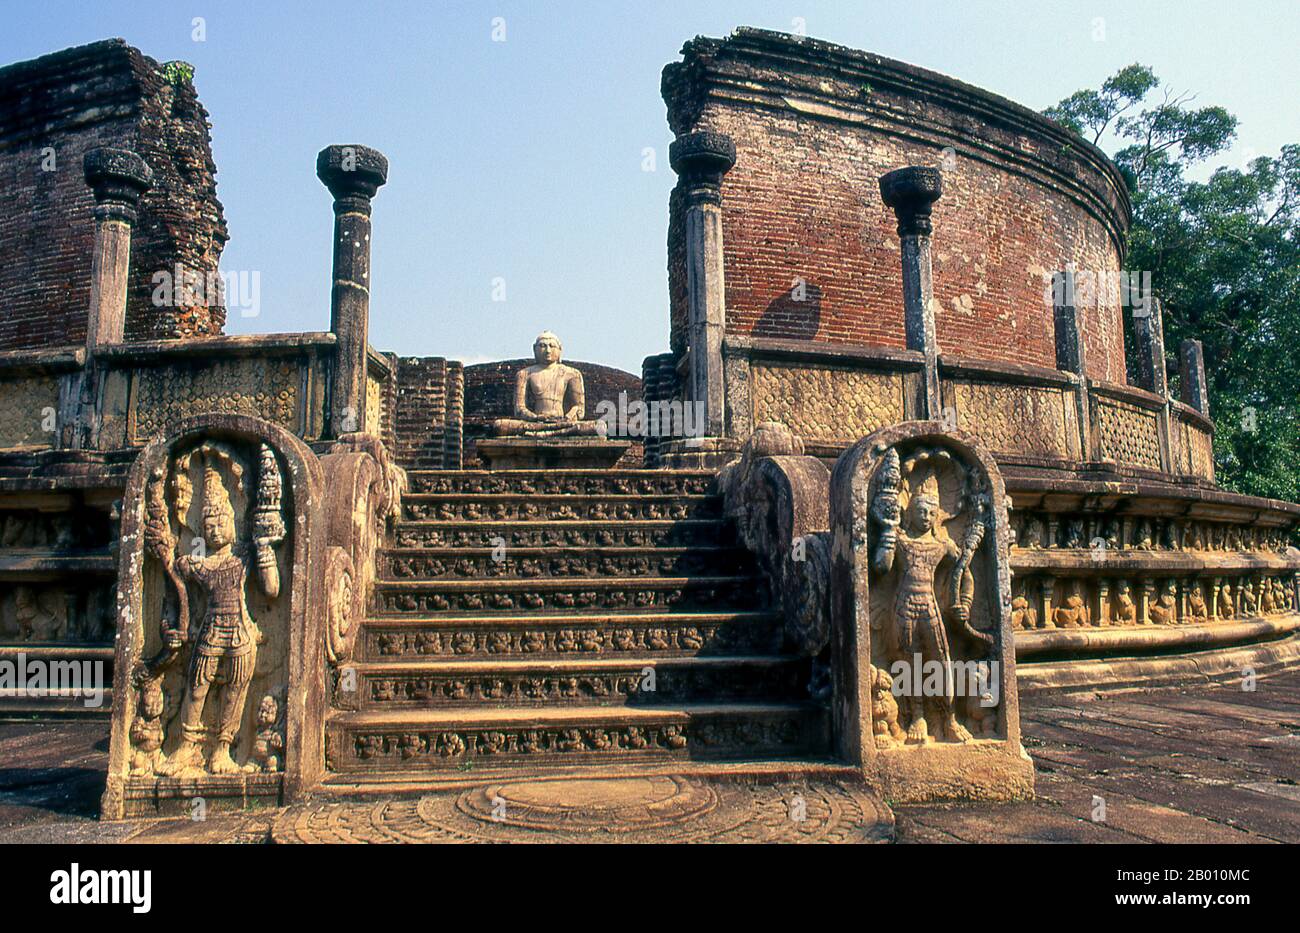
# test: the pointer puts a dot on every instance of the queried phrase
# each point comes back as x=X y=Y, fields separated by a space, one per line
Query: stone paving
x=1214 y=764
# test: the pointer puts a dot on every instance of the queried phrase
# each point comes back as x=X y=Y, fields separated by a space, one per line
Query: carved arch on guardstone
x=291 y=672
x=864 y=611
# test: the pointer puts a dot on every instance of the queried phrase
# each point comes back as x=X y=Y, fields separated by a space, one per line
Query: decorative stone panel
x=26 y=405
x=826 y=403
x=1026 y=420
x=1127 y=434
x=265 y=388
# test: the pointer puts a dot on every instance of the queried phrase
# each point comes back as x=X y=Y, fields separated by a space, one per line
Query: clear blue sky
x=523 y=159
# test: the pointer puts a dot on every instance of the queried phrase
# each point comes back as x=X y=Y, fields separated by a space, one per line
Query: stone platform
x=550 y=453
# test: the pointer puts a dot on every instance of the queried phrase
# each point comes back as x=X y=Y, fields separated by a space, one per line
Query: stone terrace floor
x=1212 y=764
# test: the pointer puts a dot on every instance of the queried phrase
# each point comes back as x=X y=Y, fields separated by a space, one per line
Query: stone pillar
x=700 y=161
x=1101 y=604
x=1149 y=344
x=353 y=174
x=117 y=177
x=1071 y=353
x=1192 y=363
x=911 y=192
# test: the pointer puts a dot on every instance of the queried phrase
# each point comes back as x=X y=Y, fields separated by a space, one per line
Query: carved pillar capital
x=117 y=177
x=910 y=193
x=353 y=174
x=700 y=161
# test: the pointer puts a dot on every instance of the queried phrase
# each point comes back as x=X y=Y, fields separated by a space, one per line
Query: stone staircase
x=561 y=620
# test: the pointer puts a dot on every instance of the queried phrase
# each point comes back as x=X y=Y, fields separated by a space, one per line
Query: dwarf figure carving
x=917 y=542
x=1023 y=614
x=884 y=710
x=147 y=729
x=1267 y=604
x=981 y=710
x=225 y=640
x=1225 y=607
x=268 y=746
x=1246 y=593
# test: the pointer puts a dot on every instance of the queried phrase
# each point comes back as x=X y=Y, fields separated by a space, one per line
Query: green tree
x=1224 y=258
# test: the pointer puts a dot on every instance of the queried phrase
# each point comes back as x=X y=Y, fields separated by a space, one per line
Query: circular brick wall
x=815 y=126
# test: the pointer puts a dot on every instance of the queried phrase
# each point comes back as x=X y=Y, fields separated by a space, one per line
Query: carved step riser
x=539 y=509
x=560 y=484
x=426 y=599
x=614 y=534
x=637 y=685
x=368 y=749
x=752 y=636
x=400 y=565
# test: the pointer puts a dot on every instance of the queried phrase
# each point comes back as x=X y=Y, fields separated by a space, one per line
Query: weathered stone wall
x=428 y=413
x=815 y=126
x=490 y=394
x=103 y=94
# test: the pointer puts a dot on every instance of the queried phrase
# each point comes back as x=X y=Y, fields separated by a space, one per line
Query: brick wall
x=428 y=413
x=103 y=94
x=490 y=394
x=815 y=126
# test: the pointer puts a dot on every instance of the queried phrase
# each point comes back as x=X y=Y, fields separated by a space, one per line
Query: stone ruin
x=917 y=461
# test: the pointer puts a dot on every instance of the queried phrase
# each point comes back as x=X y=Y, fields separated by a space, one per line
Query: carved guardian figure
x=225 y=641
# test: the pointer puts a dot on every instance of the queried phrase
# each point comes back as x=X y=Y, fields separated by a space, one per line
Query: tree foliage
x=1224 y=258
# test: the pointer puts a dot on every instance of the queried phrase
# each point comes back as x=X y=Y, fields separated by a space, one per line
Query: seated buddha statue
x=550 y=400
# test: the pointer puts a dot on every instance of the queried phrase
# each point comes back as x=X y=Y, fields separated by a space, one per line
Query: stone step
x=599 y=595
x=625 y=681
x=450 y=740
x=560 y=563
x=514 y=508
x=477 y=534
x=561 y=482
x=452 y=637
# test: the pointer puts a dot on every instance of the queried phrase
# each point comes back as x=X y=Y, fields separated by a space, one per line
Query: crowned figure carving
x=928 y=583
x=550 y=400
x=223 y=642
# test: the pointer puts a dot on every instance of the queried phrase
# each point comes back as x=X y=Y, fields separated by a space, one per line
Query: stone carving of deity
x=224 y=641
x=916 y=542
x=550 y=400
